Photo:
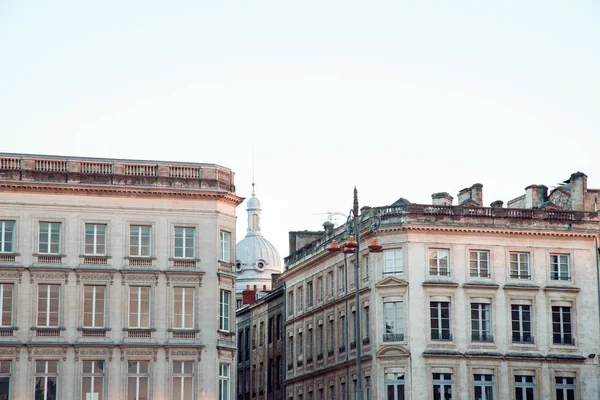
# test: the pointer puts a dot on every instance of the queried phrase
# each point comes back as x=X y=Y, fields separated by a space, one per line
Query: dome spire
x=253 y=209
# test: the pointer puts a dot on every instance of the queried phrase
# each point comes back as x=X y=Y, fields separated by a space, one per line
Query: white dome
x=253 y=202
x=256 y=260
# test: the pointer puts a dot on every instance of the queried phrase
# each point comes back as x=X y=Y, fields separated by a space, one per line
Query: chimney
x=463 y=195
x=474 y=193
x=264 y=288
x=248 y=296
x=535 y=195
x=441 y=199
x=497 y=204
x=328 y=226
x=578 y=183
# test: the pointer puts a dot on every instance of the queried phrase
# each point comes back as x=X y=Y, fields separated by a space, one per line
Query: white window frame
x=224 y=310
x=478 y=266
x=565 y=337
x=392 y=266
x=483 y=313
x=47 y=310
x=393 y=328
x=45 y=375
x=224 y=381
x=12 y=304
x=522 y=259
x=300 y=298
x=443 y=382
x=562 y=384
x=179 y=378
x=557 y=265
x=138 y=311
x=3 y=234
x=7 y=374
x=94 y=243
x=184 y=249
x=437 y=255
x=483 y=383
x=186 y=291
x=524 y=386
x=395 y=380
x=94 y=376
x=94 y=298
x=440 y=329
x=48 y=237
x=138 y=376
x=139 y=234
x=225 y=246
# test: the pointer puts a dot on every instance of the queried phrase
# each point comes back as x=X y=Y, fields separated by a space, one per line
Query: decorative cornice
x=479 y=230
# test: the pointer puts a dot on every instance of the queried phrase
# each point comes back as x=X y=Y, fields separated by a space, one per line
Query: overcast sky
x=400 y=98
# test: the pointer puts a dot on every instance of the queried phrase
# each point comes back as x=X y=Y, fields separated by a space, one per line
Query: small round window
x=261 y=265
x=238 y=265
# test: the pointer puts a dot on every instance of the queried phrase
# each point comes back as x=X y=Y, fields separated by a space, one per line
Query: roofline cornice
x=497 y=231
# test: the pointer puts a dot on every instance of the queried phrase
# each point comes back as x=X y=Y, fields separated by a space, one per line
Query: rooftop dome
x=256 y=257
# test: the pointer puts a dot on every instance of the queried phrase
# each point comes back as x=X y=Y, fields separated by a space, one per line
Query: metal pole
x=358 y=392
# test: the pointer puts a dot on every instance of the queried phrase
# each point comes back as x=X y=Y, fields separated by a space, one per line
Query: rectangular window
x=332 y=392
x=562 y=325
x=261 y=333
x=95 y=239
x=46 y=380
x=483 y=386
x=344 y=332
x=300 y=345
x=524 y=387
x=479 y=264
x=394 y=386
x=309 y=293
x=521 y=323
x=367 y=388
x=279 y=326
x=440 y=320
x=321 y=341
x=311 y=343
x=442 y=386
x=139 y=307
x=138 y=380
x=565 y=388
x=321 y=288
x=254 y=336
x=183 y=308
x=343 y=390
x=438 y=262
x=481 y=323
x=331 y=284
x=183 y=380
x=48 y=305
x=367 y=323
x=393 y=321
x=225 y=310
x=291 y=303
x=270 y=330
x=49 y=238
x=93 y=306
x=365 y=268
x=5 y=372
x=6 y=304
x=342 y=278
x=331 y=337
x=184 y=242
x=300 y=298
x=560 y=267
x=225 y=246
x=92 y=380
x=519 y=266
x=392 y=262
x=7 y=236
x=139 y=240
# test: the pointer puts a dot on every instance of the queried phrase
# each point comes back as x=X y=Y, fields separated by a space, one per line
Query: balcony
x=8 y=258
x=139 y=262
x=95 y=260
x=393 y=337
x=523 y=339
x=441 y=336
x=564 y=340
x=139 y=333
x=93 y=332
x=7 y=331
x=49 y=259
x=47 y=331
x=482 y=337
x=183 y=263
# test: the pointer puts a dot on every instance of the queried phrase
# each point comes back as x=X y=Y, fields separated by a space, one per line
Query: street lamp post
x=352 y=245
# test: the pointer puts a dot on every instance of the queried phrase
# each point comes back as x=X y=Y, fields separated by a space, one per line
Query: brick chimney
x=535 y=195
x=441 y=199
x=474 y=193
x=578 y=183
x=248 y=295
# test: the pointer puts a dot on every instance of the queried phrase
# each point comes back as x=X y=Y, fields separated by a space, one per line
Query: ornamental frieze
x=102 y=352
x=136 y=278
x=183 y=353
x=50 y=275
x=194 y=279
x=9 y=352
x=91 y=276
x=12 y=275
x=46 y=352
x=139 y=353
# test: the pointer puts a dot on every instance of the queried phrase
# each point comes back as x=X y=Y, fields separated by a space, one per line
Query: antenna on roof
x=253 y=183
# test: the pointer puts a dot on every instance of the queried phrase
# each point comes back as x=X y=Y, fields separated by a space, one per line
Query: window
x=5 y=371
x=238 y=304
x=225 y=312
x=331 y=284
x=183 y=308
x=440 y=320
x=92 y=380
x=309 y=293
x=524 y=387
x=254 y=335
x=367 y=388
x=519 y=266
x=561 y=270
x=279 y=326
x=479 y=264
x=367 y=323
x=270 y=330
x=481 y=323
x=365 y=268
x=95 y=239
x=7 y=236
x=442 y=386
x=394 y=386
x=392 y=262
x=344 y=332
x=332 y=392
x=562 y=332
x=6 y=304
x=262 y=333
x=291 y=358
x=483 y=384
x=93 y=306
x=321 y=289
x=300 y=298
x=184 y=242
x=438 y=262
x=139 y=307
x=46 y=380
x=565 y=388
x=393 y=321
x=139 y=240
x=342 y=278
x=521 y=323
x=311 y=343
x=291 y=302
x=343 y=390
x=138 y=380
x=49 y=239
x=48 y=305
x=300 y=345
x=225 y=246
x=183 y=380
x=331 y=337
x=321 y=341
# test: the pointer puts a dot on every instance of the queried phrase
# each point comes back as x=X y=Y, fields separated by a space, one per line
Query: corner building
x=464 y=302
x=116 y=279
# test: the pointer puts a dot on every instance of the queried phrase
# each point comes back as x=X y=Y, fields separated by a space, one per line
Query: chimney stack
x=441 y=199
x=474 y=193
x=535 y=195
x=578 y=183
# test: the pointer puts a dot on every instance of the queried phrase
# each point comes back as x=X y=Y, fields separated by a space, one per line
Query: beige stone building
x=116 y=279
x=464 y=302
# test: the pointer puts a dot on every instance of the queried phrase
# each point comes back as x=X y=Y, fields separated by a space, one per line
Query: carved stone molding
x=62 y=276
x=185 y=279
x=169 y=353
x=11 y=275
x=225 y=354
x=90 y=352
x=11 y=352
x=95 y=276
x=139 y=353
x=47 y=352
x=138 y=278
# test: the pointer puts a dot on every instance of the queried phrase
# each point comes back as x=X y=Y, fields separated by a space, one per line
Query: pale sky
x=400 y=98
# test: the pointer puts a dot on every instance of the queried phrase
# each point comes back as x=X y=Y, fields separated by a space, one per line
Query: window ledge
x=139 y=258
x=228 y=333
x=480 y=285
x=562 y=288
x=522 y=286
x=105 y=256
x=83 y=328
x=139 y=329
x=48 y=328
x=183 y=330
x=10 y=254
x=226 y=263
x=49 y=255
x=440 y=283
x=184 y=259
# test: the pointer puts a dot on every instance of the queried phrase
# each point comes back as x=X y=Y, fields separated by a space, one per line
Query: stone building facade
x=464 y=302
x=116 y=279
